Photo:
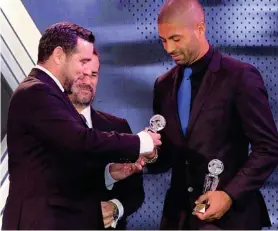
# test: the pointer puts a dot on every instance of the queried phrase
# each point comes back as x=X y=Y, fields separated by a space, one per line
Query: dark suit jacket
x=230 y=111
x=130 y=191
x=56 y=164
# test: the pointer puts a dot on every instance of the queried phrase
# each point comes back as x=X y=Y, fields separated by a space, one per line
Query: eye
x=84 y=61
x=93 y=76
x=176 y=39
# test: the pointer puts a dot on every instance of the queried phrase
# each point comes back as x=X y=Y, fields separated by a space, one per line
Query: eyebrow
x=86 y=59
x=171 y=37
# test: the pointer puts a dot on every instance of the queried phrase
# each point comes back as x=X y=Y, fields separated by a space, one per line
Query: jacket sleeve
x=259 y=127
x=50 y=119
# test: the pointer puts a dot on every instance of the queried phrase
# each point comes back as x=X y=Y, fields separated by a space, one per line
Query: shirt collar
x=202 y=64
x=87 y=113
x=51 y=76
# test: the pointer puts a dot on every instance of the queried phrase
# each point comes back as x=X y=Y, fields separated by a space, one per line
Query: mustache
x=174 y=53
x=86 y=87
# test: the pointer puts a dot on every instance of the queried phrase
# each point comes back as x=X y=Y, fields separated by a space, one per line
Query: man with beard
x=126 y=195
x=52 y=154
x=215 y=106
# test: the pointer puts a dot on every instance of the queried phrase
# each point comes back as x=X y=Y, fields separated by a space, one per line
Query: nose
x=86 y=79
x=86 y=71
x=169 y=47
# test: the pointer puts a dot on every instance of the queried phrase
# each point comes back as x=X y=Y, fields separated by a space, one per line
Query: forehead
x=84 y=47
x=168 y=29
x=94 y=63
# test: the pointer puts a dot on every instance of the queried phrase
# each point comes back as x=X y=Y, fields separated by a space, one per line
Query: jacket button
x=190 y=189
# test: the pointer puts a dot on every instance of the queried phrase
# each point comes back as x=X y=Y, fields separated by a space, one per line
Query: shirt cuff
x=146 y=143
x=120 y=209
x=109 y=181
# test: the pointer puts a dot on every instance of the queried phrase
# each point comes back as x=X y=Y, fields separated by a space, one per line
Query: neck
x=204 y=49
x=54 y=71
x=79 y=107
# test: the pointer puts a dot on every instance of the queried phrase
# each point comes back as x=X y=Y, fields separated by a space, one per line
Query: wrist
x=153 y=159
x=115 y=210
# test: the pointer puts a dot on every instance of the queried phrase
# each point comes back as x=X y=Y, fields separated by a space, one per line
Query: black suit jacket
x=56 y=164
x=230 y=111
x=130 y=191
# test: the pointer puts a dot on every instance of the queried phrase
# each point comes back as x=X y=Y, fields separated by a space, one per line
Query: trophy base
x=200 y=208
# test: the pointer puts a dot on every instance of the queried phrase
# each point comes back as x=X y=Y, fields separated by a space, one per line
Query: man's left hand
x=120 y=171
x=219 y=203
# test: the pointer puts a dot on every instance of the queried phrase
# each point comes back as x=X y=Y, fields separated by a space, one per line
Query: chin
x=179 y=62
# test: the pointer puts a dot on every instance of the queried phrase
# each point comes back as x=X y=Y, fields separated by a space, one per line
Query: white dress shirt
x=51 y=76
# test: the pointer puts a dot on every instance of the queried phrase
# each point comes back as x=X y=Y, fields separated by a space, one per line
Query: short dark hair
x=63 y=34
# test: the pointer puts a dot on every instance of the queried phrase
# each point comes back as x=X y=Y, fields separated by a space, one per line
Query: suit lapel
x=98 y=121
x=206 y=86
x=204 y=90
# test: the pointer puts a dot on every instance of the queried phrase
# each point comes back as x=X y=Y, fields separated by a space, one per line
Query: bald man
x=214 y=106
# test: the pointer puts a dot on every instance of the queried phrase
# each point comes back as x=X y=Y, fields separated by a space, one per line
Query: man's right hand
x=156 y=138
x=148 y=141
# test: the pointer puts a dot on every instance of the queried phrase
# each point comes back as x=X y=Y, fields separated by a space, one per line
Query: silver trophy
x=215 y=168
x=157 y=123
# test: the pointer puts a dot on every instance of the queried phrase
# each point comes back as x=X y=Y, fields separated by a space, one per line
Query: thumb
x=202 y=198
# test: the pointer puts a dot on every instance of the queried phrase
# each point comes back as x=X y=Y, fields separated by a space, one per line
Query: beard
x=82 y=99
x=69 y=80
x=68 y=85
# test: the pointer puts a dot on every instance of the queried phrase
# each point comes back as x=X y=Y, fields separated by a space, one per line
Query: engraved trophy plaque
x=215 y=168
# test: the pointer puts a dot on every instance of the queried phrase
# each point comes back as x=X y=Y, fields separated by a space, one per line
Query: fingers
x=141 y=160
x=108 y=222
x=202 y=199
x=107 y=214
x=131 y=168
x=156 y=138
x=210 y=214
x=137 y=167
x=107 y=209
x=219 y=203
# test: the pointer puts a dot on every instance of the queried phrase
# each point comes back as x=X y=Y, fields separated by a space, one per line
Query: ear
x=58 y=55
x=201 y=29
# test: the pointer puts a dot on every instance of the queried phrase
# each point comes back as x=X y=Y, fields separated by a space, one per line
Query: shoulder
x=29 y=88
x=34 y=94
x=231 y=64
x=112 y=119
x=31 y=85
x=167 y=77
x=239 y=71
